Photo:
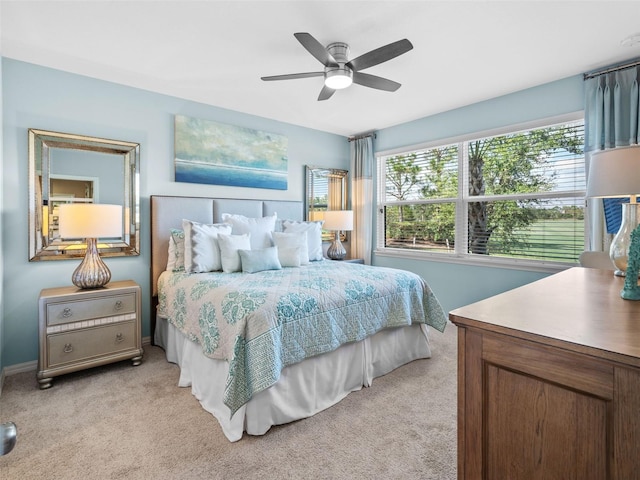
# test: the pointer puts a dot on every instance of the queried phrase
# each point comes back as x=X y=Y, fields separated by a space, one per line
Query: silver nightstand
x=349 y=260
x=80 y=329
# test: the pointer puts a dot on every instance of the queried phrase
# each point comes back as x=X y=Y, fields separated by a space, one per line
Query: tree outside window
x=516 y=195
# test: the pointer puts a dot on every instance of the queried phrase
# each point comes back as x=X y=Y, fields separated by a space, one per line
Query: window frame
x=463 y=199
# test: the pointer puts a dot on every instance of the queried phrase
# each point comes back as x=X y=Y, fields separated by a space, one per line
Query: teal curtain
x=612 y=109
x=612 y=112
x=362 y=163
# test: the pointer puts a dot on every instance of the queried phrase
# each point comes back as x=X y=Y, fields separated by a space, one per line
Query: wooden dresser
x=549 y=381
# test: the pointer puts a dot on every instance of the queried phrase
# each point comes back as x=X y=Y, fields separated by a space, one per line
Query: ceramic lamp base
x=92 y=271
x=336 y=251
x=620 y=245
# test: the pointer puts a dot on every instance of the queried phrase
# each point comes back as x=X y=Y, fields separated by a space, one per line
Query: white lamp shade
x=614 y=173
x=90 y=220
x=338 y=220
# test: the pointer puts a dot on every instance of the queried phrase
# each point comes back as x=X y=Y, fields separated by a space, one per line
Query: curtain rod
x=613 y=68
x=364 y=135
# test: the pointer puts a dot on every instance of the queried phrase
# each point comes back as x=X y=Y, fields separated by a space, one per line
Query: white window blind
x=517 y=195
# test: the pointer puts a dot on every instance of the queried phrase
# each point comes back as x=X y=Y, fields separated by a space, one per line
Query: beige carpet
x=120 y=421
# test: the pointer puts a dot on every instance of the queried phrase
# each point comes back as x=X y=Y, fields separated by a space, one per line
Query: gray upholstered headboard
x=168 y=212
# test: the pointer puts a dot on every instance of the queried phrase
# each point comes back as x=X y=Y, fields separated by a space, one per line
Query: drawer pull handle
x=66 y=313
x=118 y=305
x=119 y=337
x=68 y=348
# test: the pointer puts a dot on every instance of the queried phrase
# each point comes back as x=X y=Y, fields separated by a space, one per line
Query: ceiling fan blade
x=292 y=76
x=325 y=93
x=374 y=81
x=379 y=55
x=316 y=49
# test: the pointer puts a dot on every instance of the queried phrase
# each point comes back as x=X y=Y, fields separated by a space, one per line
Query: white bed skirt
x=304 y=389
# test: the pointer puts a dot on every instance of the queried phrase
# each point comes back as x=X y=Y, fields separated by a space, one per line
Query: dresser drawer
x=90 y=343
x=73 y=311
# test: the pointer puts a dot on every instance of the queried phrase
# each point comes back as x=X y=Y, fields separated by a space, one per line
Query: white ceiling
x=215 y=52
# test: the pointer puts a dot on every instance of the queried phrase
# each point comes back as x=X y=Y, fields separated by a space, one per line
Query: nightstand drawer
x=90 y=343
x=74 y=311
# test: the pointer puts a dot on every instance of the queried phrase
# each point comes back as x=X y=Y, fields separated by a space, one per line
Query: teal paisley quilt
x=263 y=322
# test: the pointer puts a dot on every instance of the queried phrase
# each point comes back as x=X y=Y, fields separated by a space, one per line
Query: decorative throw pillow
x=229 y=246
x=259 y=228
x=259 y=260
x=314 y=236
x=290 y=256
x=201 y=250
x=293 y=239
x=175 y=262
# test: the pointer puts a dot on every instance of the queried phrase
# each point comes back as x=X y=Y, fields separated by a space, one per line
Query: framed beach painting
x=220 y=154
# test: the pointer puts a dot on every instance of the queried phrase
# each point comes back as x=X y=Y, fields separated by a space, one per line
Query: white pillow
x=259 y=260
x=290 y=256
x=201 y=250
x=175 y=260
x=284 y=240
x=259 y=228
x=314 y=236
x=229 y=246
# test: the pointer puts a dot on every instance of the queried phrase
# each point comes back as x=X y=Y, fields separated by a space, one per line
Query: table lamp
x=337 y=220
x=615 y=173
x=90 y=221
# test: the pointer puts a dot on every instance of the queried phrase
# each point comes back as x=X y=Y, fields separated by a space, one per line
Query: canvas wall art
x=220 y=154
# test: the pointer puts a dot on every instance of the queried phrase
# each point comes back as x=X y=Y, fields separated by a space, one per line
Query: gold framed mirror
x=67 y=168
x=327 y=189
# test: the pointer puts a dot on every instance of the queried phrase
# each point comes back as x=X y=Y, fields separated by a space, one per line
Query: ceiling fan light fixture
x=340 y=72
x=338 y=78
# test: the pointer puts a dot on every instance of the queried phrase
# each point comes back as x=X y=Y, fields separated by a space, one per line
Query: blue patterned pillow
x=259 y=260
x=175 y=262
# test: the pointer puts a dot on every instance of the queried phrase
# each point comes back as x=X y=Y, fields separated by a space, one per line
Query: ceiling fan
x=340 y=72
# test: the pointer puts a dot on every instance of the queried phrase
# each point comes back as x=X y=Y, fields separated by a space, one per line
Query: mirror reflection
x=71 y=169
x=326 y=190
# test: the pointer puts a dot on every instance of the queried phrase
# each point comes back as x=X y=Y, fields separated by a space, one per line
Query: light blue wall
x=456 y=285
x=37 y=97
x=42 y=98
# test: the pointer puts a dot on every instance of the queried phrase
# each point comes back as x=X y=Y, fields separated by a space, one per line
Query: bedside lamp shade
x=615 y=173
x=337 y=220
x=83 y=220
x=90 y=221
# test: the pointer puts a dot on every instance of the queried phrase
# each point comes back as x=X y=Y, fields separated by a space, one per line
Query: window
x=509 y=198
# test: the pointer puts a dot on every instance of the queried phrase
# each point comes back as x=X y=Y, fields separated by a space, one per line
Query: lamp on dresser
x=615 y=173
x=90 y=221
x=337 y=220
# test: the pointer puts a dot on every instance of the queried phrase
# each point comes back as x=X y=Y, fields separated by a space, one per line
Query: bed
x=279 y=344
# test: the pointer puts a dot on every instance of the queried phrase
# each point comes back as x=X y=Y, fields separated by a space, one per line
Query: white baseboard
x=15 y=369
x=20 y=368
